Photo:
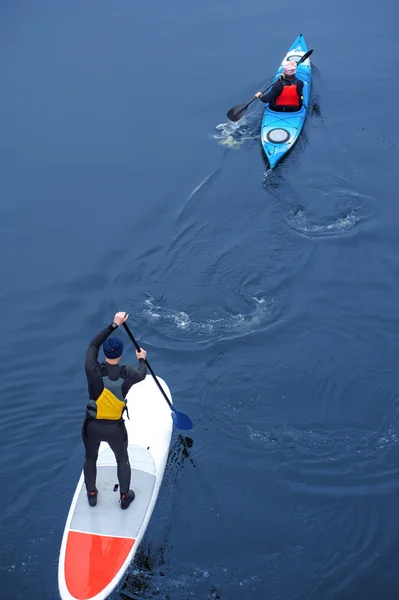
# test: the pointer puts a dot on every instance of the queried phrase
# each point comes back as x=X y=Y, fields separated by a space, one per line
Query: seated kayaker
x=286 y=92
x=109 y=383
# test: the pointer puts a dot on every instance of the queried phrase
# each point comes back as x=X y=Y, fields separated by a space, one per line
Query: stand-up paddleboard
x=99 y=542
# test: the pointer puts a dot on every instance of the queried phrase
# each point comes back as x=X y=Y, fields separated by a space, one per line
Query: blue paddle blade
x=181 y=420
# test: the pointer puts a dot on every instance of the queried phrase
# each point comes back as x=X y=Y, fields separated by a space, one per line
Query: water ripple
x=211 y=582
x=336 y=463
x=299 y=222
x=179 y=326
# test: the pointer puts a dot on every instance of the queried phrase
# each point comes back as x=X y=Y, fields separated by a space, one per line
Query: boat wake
x=180 y=213
x=181 y=327
x=207 y=583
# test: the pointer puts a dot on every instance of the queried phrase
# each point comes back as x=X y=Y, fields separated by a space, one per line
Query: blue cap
x=113 y=347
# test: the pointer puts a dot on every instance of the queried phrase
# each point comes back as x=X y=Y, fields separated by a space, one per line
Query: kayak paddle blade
x=237 y=112
x=305 y=56
x=181 y=420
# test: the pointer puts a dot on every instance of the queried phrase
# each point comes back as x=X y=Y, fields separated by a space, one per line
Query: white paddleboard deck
x=100 y=542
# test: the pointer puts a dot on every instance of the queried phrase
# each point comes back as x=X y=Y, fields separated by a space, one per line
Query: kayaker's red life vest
x=289 y=96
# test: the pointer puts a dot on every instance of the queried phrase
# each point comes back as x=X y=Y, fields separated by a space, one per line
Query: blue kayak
x=280 y=130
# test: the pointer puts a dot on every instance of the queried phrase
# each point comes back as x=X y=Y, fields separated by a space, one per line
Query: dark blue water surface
x=269 y=302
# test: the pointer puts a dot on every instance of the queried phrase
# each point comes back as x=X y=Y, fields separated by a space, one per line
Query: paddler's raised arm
x=92 y=362
x=95 y=345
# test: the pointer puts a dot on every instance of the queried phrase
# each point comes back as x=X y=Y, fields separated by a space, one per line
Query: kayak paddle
x=237 y=112
x=181 y=420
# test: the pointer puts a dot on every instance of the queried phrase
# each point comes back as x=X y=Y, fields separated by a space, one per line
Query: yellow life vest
x=111 y=403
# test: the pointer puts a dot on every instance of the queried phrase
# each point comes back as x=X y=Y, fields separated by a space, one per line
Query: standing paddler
x=108 y=385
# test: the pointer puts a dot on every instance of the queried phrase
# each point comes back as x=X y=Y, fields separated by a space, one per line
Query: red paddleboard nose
x=92 y=561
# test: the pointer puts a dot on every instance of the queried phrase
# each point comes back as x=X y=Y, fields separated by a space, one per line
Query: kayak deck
x=280 y=130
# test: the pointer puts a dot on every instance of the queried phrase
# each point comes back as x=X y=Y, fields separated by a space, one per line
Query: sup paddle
x=237 y=112
x=181 y=420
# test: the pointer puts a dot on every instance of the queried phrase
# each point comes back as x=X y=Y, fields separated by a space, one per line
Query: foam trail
x=195 y=191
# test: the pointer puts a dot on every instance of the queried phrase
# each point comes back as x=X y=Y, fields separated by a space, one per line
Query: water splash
x=233 y=135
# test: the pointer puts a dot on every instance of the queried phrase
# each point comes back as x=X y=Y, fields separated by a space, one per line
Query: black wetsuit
x=94 y=431
x=277 y=89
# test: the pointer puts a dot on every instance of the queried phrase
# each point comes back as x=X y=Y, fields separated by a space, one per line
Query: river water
x=268 y=301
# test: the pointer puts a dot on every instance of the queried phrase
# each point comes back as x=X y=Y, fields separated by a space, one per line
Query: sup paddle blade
x=181 y=420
